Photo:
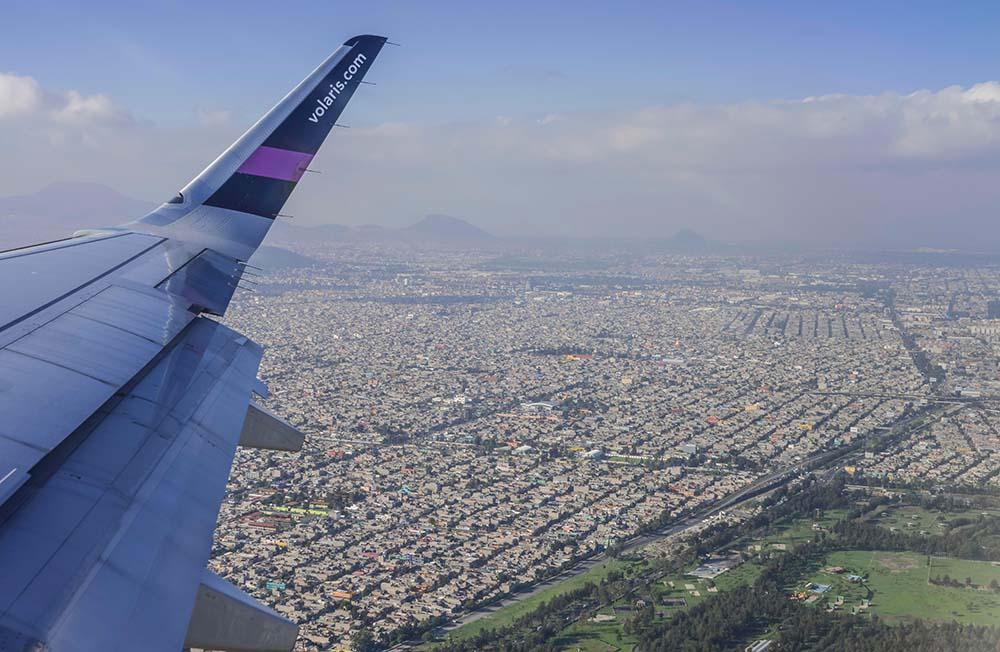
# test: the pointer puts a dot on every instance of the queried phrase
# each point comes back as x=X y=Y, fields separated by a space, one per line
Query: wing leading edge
x=124 y=403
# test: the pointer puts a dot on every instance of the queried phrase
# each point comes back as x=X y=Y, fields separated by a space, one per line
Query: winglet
x=232 y=203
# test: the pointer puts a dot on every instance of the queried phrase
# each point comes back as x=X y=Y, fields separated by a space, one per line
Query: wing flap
x=264 y=429
x=101 y=551
x=226 y=618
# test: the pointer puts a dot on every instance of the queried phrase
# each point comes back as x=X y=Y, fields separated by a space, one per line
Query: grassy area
x=896 y=583
x=589 y=635
x=915 y=519
x=678 y=591
x=980 y=572
x=910 y=518
x=596 y=636
x=742 y=575
x=670 y=594
x=510 y=613
x=801 y=530
x=790 y=533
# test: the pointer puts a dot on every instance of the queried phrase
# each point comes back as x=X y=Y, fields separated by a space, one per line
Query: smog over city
x=604 y=326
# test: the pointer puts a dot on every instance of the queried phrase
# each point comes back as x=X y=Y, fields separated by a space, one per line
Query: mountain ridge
x=62 y=207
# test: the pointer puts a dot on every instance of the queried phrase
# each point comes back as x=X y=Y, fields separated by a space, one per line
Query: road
x=764 y=485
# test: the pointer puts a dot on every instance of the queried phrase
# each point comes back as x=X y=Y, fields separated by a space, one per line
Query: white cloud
x=952 y=122
x=18 y=95
x=918 y=167
x=23 y=98
x=213 y=117
x=74 y=108
x=834 y=168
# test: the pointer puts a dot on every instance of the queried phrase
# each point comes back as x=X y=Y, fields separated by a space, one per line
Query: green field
x=510 y=613
x=675 y=587
x=792 y=532
x=589 y=636
x=592 y=636
x=915 y=519
x=896 y=583
x=800 y=530
x=910 y=518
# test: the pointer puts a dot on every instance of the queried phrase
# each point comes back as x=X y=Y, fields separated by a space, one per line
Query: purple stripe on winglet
x=276 y=163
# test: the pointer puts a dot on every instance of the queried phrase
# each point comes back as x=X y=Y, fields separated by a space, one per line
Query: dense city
x=480 y=421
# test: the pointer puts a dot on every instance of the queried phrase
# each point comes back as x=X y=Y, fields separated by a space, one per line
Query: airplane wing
x=122 y=402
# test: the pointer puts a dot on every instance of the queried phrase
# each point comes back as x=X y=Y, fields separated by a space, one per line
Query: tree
x=363 y=641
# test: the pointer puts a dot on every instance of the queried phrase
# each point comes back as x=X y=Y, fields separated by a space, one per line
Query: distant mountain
x=332 y=231
x=446 y=228
x=59 y=209
x=65 y=201
x=687 y=240
x=268 y=257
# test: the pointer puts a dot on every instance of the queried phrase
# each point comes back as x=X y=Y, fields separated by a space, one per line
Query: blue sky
x=469 y=60
x=844 y=122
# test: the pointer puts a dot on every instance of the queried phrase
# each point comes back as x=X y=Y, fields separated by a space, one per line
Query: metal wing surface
x=122 y=402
